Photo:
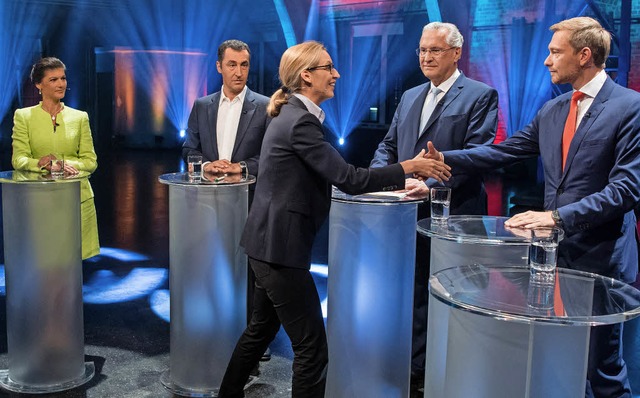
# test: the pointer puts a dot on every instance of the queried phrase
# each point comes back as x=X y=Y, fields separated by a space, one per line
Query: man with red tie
x=589 y=143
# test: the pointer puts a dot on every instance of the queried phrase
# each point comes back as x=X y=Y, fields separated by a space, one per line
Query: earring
x=40 y=92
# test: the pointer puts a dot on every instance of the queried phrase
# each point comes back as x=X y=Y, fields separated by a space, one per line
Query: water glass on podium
x=57 y=167
x=440 y=204
x=543 y=251
x=194 y=166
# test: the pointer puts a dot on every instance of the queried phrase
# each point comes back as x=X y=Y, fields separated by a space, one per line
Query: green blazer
x=34 y=137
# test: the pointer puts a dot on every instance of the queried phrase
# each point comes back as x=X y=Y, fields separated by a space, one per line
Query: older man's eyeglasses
x=328 y=67
x=436 y=52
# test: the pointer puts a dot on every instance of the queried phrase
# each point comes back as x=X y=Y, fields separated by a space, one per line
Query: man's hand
x=415 y=187
x=222 y=166
x=433 y=153
x=531 y=219
x=423 y=168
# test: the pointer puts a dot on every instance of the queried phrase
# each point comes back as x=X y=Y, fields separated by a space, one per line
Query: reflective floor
x=126 y=288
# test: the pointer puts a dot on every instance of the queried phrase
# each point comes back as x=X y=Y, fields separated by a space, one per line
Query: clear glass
x=440 y=203
x=57 y=167
x=543 y=252
x=194 y=166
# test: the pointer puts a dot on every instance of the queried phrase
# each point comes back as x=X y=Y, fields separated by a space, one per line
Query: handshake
x=428 y=164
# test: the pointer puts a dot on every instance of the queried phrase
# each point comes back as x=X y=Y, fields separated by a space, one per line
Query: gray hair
x=454 y=37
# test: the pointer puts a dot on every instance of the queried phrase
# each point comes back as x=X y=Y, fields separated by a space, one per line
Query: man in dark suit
x=227 y=127
x=589 y=142
x=463 y=114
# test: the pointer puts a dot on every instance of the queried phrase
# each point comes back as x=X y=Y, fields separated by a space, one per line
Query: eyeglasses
x=328 y=67
x=436 y=52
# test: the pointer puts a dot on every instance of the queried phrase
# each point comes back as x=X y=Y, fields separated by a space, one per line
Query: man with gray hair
x=454 y=112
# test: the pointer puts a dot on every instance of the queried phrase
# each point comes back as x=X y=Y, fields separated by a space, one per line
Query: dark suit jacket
x=467 y=116
x=600 y=186
x=293 y=192
x=201 y=132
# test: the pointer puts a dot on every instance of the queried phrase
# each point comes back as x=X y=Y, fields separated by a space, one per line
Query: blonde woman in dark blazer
x=292 y=199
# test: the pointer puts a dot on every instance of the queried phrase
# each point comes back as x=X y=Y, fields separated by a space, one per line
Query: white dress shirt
x=229 y=112
x=591 y=89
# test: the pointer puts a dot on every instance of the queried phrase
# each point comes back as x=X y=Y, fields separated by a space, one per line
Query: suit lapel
x=212 y=122
x=248 y=109
x=448 y=98
x=587 y=121
x=415 y=112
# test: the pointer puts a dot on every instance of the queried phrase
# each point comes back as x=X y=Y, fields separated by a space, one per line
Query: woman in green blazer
x=49 y=130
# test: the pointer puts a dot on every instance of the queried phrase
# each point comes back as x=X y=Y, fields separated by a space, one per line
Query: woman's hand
x=424 y=168
x=68 y=169
x=45 y=162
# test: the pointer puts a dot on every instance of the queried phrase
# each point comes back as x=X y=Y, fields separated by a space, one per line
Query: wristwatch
x=243 y=169
x=556 y=218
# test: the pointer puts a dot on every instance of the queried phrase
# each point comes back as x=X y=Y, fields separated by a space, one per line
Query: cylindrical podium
x=462 y=240
x=43 y=271
x=372 y=243
x=208 y=279
x=522 y=338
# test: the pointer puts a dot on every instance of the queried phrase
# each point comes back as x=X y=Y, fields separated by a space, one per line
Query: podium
x=207 y=279
x=372 y=243
x=517 y=343
x=43 y=271
x=462 y=240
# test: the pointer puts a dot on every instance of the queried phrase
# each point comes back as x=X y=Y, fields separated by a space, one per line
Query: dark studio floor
x=126 y=296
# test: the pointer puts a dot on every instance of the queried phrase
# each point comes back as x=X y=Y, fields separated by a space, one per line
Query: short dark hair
x=233 y=44
x=39 y=68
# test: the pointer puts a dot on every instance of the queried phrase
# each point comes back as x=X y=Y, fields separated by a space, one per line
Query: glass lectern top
x=382 y=198
x=567 y=297
x=19 y=176
x=487 y=230
x=207 y=179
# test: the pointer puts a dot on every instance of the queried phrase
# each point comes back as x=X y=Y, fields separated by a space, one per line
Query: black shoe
x=417 y=382
x=266 y=356
x=255 y=372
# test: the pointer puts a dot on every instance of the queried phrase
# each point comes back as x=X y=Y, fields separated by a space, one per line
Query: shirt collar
x=593 y=87
x=311 y=107
x=446 y=85
x=240 y=97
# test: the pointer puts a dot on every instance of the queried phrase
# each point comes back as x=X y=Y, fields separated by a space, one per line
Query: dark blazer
x=466 y=117
x=600 y=186
x=293 y=192
x=201 y=132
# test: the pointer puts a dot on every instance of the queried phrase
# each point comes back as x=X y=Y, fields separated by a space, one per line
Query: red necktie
x=570 y=125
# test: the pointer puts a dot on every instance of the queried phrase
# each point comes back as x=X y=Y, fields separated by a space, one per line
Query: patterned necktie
x=570 y=125
x=428 y=108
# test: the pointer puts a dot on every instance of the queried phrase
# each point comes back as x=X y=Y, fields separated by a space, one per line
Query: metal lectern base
x=10 y=385
x=166 y=381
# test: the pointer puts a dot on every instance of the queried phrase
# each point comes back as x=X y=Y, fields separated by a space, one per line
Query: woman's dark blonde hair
x=294 y=61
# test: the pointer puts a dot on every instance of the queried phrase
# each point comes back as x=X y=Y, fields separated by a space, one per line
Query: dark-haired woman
x=49 y=130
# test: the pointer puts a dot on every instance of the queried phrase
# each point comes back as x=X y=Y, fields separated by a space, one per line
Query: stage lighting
x=182 y=133
x=341 y=141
